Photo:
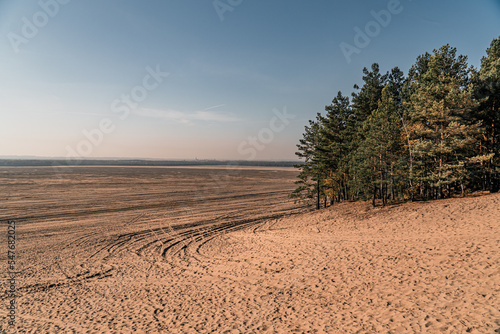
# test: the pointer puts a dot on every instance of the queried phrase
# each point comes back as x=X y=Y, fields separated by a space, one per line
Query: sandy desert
x=218 y=250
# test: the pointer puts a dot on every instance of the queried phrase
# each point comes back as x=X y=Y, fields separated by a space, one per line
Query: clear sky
x=185 y=79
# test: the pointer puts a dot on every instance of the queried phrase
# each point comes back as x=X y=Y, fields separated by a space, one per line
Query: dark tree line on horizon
x=429 y=135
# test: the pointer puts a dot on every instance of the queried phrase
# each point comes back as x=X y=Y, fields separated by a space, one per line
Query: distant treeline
x=71 y=162
x=432 y=134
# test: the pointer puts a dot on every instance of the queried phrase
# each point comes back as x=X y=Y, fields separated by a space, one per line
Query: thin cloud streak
x=220 y=105
x=188 y=117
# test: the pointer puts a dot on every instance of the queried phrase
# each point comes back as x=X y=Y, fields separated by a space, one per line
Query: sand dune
x=241 y=266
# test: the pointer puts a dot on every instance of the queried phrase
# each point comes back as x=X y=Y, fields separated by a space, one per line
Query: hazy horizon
x=35 y=157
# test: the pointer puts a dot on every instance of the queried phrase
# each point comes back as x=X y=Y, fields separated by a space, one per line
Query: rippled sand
x=214 y=251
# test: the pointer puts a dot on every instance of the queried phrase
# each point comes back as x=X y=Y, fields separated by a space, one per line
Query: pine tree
x=378 y=155
x=487 y=90
x=442 y=137
x=395 y=83
x=366 y=100
x=334 y=149
x=311 y=171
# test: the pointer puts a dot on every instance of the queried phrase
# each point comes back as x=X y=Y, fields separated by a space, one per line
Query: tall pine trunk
x=317 y=192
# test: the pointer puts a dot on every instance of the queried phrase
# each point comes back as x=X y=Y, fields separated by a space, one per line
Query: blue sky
x=243 y=78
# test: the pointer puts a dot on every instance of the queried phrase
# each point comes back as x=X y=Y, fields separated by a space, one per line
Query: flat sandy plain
x=193 y=250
